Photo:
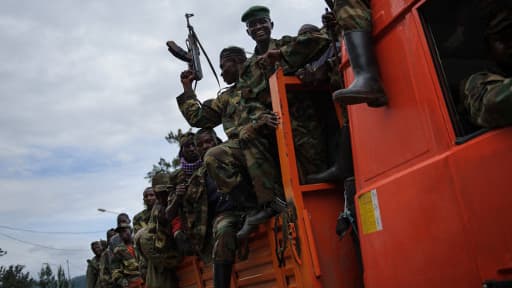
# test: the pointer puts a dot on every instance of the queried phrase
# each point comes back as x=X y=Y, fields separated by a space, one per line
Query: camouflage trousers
x=160 y=277
x=225 y=227
x=242 y=168
x=353 y=15
x=488 y=99
x=309 y=136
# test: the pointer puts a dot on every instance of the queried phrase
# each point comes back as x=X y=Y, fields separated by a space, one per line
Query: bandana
x=190 y=168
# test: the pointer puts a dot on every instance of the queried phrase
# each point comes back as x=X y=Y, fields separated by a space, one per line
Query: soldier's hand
x=329 y=20
x=124 y=283
x=181 y=189
x=269 y=59
x=267 y=118
x=187 y=77
x=270 y=119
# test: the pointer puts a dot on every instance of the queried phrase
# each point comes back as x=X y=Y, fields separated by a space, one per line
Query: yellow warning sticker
x=370 y=212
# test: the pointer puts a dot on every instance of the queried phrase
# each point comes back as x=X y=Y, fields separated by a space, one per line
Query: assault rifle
x=191 y=55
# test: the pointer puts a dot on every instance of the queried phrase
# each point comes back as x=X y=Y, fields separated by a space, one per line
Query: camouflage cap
x=186 y=137
x=254 y=12
x=160 y=181
x=123 y=226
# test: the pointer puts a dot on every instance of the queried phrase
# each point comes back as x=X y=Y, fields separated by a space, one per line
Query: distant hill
x=79 y=282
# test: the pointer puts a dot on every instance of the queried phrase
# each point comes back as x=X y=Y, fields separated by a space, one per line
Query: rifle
x=191 y=55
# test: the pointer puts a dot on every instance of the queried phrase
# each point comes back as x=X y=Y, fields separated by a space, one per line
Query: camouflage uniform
x=140 y=220
x=225 y=162
x=353 y=15
x=125 y=268
x=221 y=110
x=260 y=152
x=160 y=252
x=488 y=99
x=195 y=208
x=105 y=269
x=93 y=271
x=488 y=96
x=225 y=227
x=199 y=213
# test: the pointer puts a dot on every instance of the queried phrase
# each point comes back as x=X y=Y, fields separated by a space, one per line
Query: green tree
x=46 y=277
x=14 y=277
x=62 y=282
x=164 y=165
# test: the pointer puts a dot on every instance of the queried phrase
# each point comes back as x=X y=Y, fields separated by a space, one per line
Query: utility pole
x=69 y=277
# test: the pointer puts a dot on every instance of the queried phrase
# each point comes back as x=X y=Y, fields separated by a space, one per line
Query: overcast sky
x=87 y=94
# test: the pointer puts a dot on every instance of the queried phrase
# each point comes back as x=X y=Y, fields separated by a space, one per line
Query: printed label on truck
x=370 y=212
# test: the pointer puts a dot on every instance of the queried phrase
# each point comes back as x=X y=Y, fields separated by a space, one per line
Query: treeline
x=14 y=276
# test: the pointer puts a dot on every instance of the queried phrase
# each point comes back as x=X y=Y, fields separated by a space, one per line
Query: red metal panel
x=481 y=169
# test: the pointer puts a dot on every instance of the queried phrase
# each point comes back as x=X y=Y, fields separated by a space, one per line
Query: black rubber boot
x=342 y=167
x=222 y=275
x=256 y=218
x=366 y=87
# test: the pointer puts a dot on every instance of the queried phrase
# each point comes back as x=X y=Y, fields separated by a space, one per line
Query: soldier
x=222 y=109
x=209 y=210
x=355 y=21
x=156 y=242
x=189 y=163
x=125 y=268
x=292 y=53
x=93 y=265
x=140 y=220
x=487 y=96
x=105 y=272
x=123 y=218
x=225 y=163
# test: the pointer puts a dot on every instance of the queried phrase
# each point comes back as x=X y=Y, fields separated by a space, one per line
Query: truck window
x=455 y=32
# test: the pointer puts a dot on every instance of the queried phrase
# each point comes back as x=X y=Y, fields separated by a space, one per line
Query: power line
x=49 y=232
x=39 y=245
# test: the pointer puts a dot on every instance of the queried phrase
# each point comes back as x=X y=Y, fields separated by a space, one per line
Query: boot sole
x=373 y=99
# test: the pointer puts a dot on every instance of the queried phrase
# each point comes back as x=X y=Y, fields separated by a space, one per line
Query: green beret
x=254 y=12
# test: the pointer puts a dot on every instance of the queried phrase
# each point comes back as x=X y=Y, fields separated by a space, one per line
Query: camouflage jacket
x=93 y=271
x=221 y=111
x=105 y=269
x=125 y=267
x=295 y=52
x=488 y=99
x=195 y=210
x=176 y=177
x=140 y=220
x=157 y=243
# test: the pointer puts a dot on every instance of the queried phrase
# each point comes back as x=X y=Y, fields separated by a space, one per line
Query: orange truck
x=432 y=205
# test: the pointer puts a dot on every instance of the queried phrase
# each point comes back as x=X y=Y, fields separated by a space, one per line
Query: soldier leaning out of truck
x=487 y=95
x=213 y=218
